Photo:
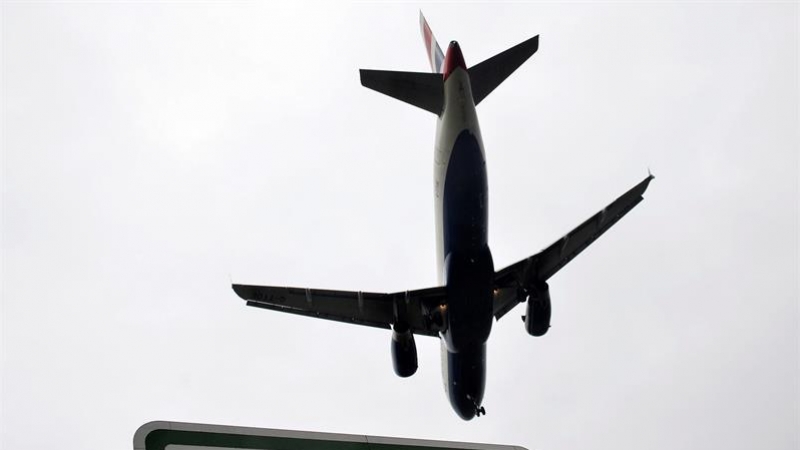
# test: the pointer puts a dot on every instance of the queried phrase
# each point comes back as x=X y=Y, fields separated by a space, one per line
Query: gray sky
x=154 y=151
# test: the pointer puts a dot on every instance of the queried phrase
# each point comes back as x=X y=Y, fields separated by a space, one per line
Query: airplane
x=470 y=294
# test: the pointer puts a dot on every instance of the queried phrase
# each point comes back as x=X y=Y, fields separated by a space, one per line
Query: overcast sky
x=153 y=152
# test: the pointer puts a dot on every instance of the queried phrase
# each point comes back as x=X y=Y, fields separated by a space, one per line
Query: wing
x=415 y=308
x=511 y=281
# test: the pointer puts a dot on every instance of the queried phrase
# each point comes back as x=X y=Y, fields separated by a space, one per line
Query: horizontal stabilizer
x=423 y=90
x=487 y=75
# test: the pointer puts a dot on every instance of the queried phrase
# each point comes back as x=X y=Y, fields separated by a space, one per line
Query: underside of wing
x=513 y=282
x=417 y=309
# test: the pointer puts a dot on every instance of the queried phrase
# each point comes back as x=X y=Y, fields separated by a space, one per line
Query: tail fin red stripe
x=434 y=52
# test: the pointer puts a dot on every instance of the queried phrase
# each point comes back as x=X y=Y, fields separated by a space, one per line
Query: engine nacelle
x=537 y=318
x=404 y=351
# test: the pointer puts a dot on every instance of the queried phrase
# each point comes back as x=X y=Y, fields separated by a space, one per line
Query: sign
x=196 y=436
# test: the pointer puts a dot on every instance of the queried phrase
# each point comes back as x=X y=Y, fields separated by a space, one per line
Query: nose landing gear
x=479 y=410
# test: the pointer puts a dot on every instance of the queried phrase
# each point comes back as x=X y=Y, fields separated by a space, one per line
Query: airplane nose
x=466 y=380
x=465 y=408
x=453 y=59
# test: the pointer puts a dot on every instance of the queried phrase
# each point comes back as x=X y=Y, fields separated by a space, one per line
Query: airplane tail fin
x=426 y=90
x=487 y=75
x=435 y=55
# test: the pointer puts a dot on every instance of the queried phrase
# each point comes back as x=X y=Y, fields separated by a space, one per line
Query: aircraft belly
x=466 y=380
x=458 y=116
x=465 y=202
x=464 y=261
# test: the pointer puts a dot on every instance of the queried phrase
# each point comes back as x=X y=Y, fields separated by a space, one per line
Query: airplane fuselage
x=464 y=261
x=471 y=295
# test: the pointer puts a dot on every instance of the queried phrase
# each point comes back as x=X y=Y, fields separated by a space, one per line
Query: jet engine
x=537 y=318
x=404 y=351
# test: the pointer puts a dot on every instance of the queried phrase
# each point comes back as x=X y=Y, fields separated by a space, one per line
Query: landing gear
x=479 y=410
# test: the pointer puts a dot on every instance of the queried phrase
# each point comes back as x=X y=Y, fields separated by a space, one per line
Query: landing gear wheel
x=481 y=411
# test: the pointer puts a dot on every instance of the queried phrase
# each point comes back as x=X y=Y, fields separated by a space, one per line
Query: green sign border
x=158 y=435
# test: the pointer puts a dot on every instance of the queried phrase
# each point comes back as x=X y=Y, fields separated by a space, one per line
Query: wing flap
x=321 y=315
x=369 y=308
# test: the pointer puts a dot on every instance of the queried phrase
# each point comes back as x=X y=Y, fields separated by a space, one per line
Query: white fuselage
x=458 y=115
